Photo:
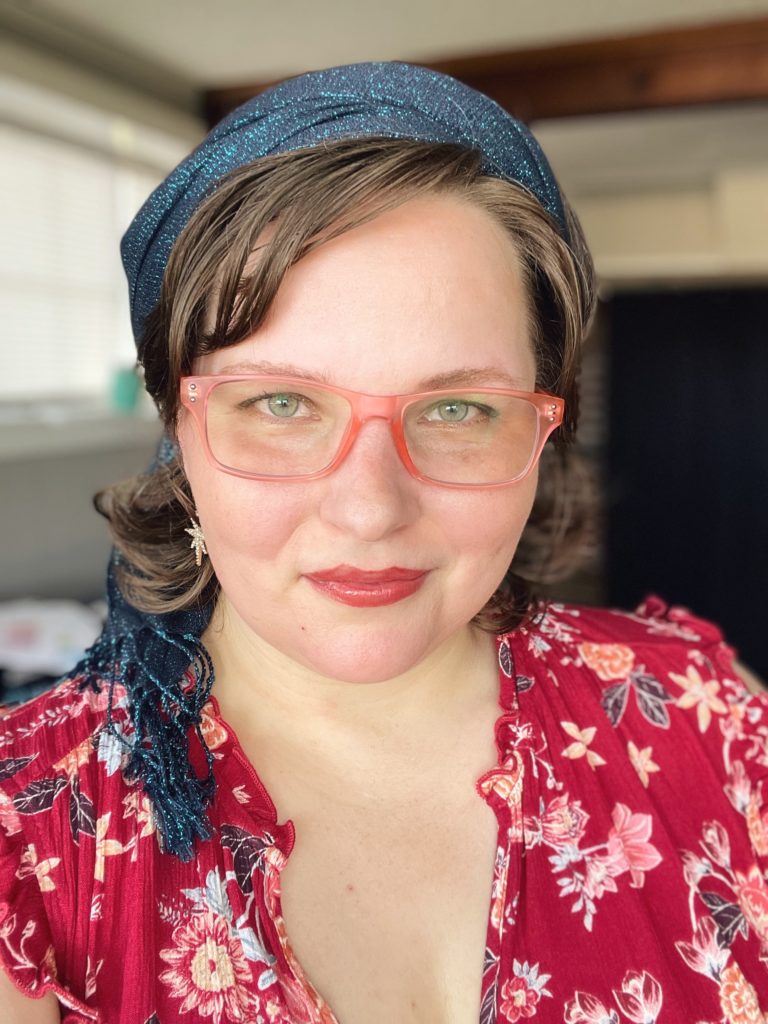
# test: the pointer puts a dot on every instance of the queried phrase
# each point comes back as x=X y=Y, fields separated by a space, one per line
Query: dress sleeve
x=732 y=720
x=26 y=950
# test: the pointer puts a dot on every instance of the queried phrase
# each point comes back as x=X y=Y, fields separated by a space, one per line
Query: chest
x=386 y=905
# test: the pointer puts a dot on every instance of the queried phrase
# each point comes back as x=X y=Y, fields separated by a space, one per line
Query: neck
x=259 y=689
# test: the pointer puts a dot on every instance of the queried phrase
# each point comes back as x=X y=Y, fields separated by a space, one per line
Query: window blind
x=72 y=176
x=63 y=297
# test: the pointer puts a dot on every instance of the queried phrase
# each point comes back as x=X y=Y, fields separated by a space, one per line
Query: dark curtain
x=687 y=474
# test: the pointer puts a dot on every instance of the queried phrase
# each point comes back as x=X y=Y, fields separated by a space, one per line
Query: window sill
x=73 y=433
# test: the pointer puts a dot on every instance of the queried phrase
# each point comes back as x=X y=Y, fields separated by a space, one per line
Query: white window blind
x=64 y=206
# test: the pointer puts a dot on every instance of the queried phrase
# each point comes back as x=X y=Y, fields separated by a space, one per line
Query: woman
x=331 y=761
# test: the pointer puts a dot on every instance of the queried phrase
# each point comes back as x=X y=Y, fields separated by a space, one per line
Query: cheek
x=247 y=518
x=239 y=517
x=488 y=525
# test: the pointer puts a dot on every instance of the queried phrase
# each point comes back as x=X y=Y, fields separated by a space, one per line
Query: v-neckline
x=500 y=787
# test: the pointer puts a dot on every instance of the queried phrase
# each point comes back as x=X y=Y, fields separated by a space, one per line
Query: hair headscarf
x=149 y=654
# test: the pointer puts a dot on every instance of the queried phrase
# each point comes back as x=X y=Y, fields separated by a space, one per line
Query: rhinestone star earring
x=198 y=540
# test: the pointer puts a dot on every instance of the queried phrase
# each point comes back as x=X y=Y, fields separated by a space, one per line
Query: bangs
x=367 y=179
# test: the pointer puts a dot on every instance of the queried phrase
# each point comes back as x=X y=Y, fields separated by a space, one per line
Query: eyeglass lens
x=473 y=437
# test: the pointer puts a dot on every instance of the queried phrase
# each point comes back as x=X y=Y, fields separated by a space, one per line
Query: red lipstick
x=363 y=588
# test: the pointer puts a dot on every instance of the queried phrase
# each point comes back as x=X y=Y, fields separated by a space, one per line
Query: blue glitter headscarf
x=148 y=654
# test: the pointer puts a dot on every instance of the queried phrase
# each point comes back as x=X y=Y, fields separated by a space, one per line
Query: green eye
x=454 y=411
x=283 y=405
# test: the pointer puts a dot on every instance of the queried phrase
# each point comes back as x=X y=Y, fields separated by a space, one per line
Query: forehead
x=425 y=289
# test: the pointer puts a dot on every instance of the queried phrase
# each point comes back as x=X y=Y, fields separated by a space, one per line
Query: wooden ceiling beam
x=724 y=62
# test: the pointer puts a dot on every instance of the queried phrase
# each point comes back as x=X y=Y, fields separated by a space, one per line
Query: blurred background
x=655 y=119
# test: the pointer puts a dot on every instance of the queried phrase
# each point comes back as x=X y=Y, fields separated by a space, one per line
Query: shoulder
x=56 y=732
x=657 y=682
x=59 y=780
x=608 y=639
x=666 y=655
x=60 y=766
x=653 y=621
x=658 y=619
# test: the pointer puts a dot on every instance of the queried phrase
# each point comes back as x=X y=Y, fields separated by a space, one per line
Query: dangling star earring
x=195 y=531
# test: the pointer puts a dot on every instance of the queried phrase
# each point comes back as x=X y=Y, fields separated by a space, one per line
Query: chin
x=363 y=654
x=372 y=656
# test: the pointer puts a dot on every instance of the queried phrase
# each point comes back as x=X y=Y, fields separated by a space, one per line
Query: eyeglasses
x=288 y=428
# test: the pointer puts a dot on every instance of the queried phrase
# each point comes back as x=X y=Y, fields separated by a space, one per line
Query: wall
x=717 y=232
x=53 y=543
x=668 y=196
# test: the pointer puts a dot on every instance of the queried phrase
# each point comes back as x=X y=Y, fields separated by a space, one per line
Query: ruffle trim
x=26 y=950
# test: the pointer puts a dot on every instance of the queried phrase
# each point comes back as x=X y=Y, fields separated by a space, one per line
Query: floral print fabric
x=630 y=873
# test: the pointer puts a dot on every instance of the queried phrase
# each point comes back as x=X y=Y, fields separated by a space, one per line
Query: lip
x=365 y=589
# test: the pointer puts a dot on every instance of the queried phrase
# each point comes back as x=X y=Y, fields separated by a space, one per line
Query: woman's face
x=424 y=290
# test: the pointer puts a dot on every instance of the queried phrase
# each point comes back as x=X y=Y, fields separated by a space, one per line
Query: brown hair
x=211 y=298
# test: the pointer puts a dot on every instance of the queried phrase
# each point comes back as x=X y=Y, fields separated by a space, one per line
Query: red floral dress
x=630 y=876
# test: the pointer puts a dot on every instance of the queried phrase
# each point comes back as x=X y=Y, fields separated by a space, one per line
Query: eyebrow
x=274 y=369
x=489 y=376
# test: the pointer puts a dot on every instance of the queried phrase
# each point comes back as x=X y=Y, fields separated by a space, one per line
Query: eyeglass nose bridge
x=369 y=407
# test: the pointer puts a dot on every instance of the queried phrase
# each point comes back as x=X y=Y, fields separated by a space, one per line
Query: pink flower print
x=137 y=805
x=106 y=847
x=499 y=888
x=732 y=724
x=586 y=1009
x=642 y=762
x=30 y=865
x=609 y=661
x=9 y=816
x=301 y=1006
x=738 y=999
x=274 y=862
x=700 y=695
x=506 y=780
x=629 y=838
x=518 y=1001
x=505 y=783
x=564 y=822
x=208 y=970
x=600 y=873
x=716 y=843
x=7 y=920
x=739 y=788
x=640 y=997
x=705 y=954
x=757 y=824
x=303 y=1002
x=752 y=895
x=694 y=868
x=274 y=1016
x=583 y=738
x=75 y=759
x=214 y=733
x=521 y=993
x=88 y=698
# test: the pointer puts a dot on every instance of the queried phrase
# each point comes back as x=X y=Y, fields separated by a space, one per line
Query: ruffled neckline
x=260 y=807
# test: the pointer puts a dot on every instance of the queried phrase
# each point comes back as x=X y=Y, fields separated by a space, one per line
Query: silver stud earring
x=195 y=531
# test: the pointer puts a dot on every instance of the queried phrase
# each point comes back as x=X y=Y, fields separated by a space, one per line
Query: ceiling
x=170 y=50
x=236 y=41
x=647 y=151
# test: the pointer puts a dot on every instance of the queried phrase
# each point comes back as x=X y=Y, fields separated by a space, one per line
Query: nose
x=371 y=494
